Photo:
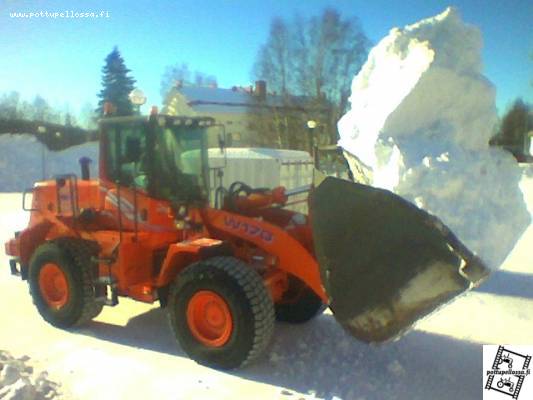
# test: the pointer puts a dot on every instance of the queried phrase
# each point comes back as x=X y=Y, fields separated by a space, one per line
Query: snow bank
x=420 y=121
x=18 y=383
x=21 y=161
x=526 y=185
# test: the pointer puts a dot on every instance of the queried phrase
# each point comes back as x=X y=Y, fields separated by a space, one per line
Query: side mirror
x=217 y=157
x=133 y=150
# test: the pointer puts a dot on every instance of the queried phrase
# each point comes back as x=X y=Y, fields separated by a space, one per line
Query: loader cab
x=163 y=156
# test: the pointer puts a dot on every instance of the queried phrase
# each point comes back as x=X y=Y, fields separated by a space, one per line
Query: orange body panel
x=292 y=256
x=11 y=247
x=182 y=254
x=261 y=199
x=30 y=238
x=153 y=247
x=152 y=215
x=277 y=283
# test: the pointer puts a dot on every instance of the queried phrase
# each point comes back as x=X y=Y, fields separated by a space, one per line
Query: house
x=242 y=112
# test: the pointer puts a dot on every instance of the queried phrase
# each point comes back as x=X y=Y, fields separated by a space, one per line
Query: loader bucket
x=384 y=262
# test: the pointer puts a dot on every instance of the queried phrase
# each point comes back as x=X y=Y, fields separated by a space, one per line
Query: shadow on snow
x=509 y=284
x=319 y=357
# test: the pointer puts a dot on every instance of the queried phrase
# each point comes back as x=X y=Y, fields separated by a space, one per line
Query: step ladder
x=108 y=283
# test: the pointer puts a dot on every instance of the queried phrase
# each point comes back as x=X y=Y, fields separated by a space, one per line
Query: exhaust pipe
x=85 y=172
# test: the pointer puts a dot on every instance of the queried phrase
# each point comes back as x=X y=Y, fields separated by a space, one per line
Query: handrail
x=24 y=193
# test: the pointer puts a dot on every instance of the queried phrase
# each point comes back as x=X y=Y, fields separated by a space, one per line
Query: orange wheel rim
x=54 y=286
x=209 y=318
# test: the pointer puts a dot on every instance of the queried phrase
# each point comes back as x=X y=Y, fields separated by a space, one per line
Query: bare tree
x=18 y=116
x=88 y=118
x=9 y=105
x=13 y=107
x=316 y=58
x=275 y=61
x=336 y=50
x=41 y=109
x=182 y=74
x=201 y=79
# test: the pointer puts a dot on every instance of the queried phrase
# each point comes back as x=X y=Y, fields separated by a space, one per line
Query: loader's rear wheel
x=61 y=282
x=299 y=304
x=221 y=313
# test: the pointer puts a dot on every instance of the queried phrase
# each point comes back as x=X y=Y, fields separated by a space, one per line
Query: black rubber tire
x=299 y=304
x=248 y=300
x=73 y=258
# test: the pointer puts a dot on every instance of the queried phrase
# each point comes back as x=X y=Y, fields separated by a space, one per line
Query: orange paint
x=209 y=318
x=292 y=256
x=180 y=255
x=53 y=285
x=277 y=284
x=164 y=244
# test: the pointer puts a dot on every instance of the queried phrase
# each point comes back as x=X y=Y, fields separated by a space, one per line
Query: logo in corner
x=509 y=370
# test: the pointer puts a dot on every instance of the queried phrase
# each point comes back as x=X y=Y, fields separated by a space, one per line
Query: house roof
x=217 y=95
x=236 y=100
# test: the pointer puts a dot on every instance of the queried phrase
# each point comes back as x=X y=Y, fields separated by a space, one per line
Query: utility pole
x=311 y=125
x=42 y=130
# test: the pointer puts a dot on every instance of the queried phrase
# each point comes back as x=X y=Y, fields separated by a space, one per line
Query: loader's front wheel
x=61 y=286
x=299 y=304
x=221 y=313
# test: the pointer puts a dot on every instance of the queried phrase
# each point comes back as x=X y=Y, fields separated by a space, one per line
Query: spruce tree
x=117 y=85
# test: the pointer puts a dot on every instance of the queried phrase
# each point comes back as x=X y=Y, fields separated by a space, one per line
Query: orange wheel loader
x=145 y=230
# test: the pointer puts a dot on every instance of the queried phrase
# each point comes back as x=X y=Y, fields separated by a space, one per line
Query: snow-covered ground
x=18 y=381
x=128 y=352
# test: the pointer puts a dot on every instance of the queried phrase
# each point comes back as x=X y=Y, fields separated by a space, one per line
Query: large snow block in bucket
x=384 y=262
x=420 y=121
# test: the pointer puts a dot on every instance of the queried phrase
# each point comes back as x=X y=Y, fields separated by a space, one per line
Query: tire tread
x=254 y=290
x=79 y=253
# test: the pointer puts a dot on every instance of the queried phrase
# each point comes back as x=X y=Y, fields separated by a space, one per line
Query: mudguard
x=384 y=262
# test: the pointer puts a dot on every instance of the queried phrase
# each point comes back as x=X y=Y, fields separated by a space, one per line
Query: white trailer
x=262 y=168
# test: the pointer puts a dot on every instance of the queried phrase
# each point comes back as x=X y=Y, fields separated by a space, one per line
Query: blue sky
x=61 y=59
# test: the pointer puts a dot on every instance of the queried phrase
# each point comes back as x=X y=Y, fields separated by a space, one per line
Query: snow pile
x=17 y=381
x=21 y=160
x=420 y=121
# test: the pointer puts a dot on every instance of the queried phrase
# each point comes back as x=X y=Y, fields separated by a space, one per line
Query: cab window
x=119 y=167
